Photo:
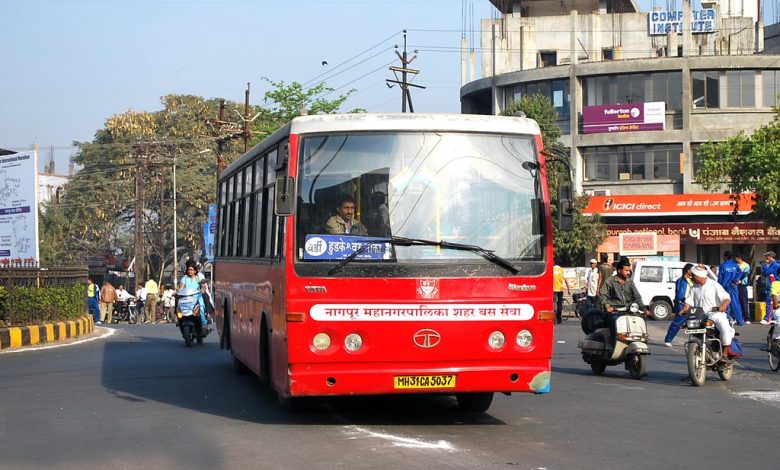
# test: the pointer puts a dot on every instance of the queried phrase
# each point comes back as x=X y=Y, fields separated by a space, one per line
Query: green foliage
x=97 y=208
x=30 y=305
x=746 y=164
x=570 y=248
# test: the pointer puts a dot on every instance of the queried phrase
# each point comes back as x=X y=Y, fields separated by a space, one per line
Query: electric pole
x=404 y=70
x=225 y=131
x=140 y=262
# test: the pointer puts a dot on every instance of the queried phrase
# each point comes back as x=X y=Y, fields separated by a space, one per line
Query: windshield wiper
x=489 y=255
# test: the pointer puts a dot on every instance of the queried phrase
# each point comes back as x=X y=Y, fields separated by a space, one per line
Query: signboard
x=209 y=231
x=705 y=232
x=19 y=207
x=421 y=312
x=336 y=247
x=669 y=204
x=663 y=22
x=617 y=118
x=641 y=243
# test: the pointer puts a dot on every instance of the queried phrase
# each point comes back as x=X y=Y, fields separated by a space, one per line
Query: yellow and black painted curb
x=18 y=336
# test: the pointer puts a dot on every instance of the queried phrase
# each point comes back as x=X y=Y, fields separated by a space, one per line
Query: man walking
x=152 y=293
x=592 y=283
x=742 y=286
x=769 y=272
x=107 y=299
x=681 y=288
x=729 y=276
x=93 y=297
x=558 y=282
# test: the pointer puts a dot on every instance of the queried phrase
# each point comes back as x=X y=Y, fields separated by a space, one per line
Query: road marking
x=104 y=333
x=771 y=397
x=408 y=442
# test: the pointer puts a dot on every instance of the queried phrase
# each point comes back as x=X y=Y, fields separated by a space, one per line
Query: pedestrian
x=592 y=283
x=558 y=283
x=93 y=301
x=107 y=299
x=742 y=286
x=729 y=276
x=605 y=271
x=152 y=293
x=140 y=300
x=681 y=288
x=769 y=271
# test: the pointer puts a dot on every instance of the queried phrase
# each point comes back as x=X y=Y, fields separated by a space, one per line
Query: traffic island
x=19 y=336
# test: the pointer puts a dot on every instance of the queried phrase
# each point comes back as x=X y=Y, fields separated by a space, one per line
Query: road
x=139 y=398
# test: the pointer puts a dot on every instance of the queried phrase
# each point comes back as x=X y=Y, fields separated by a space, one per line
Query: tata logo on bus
x=426 y=338
x=427 y=289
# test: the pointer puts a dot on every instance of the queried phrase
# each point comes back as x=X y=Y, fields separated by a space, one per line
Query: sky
x=68 y=65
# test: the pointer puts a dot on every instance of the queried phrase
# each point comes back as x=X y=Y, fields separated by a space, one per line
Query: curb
x=18 y=336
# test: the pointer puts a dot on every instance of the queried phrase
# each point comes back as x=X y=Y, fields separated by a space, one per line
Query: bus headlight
x=353 y=342
x=524 y=338
x=321 y=341
x=496 y=340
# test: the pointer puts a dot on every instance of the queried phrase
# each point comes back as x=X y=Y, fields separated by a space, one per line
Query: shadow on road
x=159 y=368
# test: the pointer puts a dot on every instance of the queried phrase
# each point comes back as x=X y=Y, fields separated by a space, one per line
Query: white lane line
x=771 y=397
x=104 y=333
x=408 y=442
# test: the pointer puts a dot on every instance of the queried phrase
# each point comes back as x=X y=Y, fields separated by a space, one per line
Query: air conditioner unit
x=597 y=192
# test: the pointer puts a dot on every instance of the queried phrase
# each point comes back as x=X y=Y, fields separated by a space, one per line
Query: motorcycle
x=704 y=349
x=125 y=311
x=188 y=316
x=581 y=303
x=600 y=349
x=773 y=345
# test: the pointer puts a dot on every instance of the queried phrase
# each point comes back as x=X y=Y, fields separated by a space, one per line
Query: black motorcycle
x=125 y=311
x=704 y=349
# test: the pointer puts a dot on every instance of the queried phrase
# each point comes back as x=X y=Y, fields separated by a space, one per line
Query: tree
x=96 y=212
x=743 y=164
x=571 y=248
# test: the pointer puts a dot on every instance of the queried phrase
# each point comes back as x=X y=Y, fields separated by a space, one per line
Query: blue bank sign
x=662 y=22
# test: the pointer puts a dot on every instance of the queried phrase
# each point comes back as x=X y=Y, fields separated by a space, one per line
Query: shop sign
x=704 y=233
x=669 y=204
x=638 y=243
x=617 y=118
x=663 y=21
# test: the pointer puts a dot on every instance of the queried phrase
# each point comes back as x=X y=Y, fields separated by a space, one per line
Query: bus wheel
x=474 y=402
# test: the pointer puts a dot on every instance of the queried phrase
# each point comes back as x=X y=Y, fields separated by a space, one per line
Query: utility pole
x=404 y=70
x=140 y=262
x=225 y=131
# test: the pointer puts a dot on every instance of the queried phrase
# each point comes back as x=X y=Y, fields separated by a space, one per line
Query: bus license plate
x=424 y=381
x=696 y=331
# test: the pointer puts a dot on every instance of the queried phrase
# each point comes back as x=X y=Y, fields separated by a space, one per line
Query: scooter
x=704 y=349
x=188 y=316
x=600 y=349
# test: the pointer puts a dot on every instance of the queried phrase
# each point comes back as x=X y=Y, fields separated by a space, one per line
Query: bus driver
x=344 y=221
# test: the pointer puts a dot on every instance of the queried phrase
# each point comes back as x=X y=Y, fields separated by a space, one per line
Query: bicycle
x=773 y=345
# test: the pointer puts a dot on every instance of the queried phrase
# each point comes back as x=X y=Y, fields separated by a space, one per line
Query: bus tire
x=288 y=403
x=474 y=402
x=224 y=338
x=265 y=350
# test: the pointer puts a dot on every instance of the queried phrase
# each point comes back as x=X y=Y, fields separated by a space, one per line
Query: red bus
x=443 y=283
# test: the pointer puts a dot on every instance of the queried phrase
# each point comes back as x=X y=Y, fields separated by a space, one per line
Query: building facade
x=637 y=93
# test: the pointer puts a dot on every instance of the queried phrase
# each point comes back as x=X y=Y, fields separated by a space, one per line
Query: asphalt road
x=140 y=399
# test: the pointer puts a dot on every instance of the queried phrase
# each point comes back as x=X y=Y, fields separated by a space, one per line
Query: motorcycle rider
x=714 y=300
x=619 y=291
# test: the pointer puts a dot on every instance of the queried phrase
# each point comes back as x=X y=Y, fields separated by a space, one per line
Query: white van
x=655 y=282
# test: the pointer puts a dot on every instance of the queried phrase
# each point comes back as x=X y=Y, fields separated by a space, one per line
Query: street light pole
x=175 y=247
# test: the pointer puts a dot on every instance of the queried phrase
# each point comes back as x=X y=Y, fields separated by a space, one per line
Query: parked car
x=655 y=281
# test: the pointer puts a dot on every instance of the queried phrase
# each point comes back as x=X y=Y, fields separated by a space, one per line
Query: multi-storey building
x=637 y=93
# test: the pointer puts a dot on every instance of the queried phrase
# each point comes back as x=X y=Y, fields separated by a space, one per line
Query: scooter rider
x=714 y=300
x=619 y=291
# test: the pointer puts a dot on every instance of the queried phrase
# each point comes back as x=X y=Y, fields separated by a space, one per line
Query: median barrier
x=18 y=336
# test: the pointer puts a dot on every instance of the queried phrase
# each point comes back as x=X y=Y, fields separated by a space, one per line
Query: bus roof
x=362 y=122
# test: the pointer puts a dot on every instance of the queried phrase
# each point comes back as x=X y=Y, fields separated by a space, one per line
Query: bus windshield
x=464 y=188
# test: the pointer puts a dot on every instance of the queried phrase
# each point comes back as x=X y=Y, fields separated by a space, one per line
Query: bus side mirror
x=284 y=203
x=565 y=209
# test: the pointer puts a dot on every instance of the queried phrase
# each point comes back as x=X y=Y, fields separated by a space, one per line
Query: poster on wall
x=623 y=118
x=19 y=208
x=209 y=232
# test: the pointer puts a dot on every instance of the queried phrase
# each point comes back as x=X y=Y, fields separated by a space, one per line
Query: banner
x=669 y=204
x=617 y=118
x=662 y=22
x=209 y=231
x=19 y=208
